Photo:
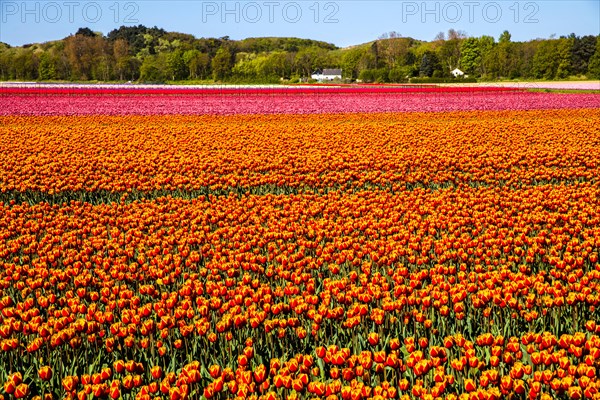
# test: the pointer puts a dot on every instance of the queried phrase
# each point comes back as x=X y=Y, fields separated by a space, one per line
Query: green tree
x=221 y=64
x=500 y=61
x=46 y=68
x=503 y=60
x=470 y=55
x=133 y=68
x=369 y=59
x=449 y=51
x=429 y=64
x=393 y=49
x=278 y=64
x=138 y=37
x=264 y=67
x=505 y=37
x=379 y=75
x=89 y=57
x=153 y=69
x=24 y=64
x=401 y=74
x=62 y=67
x=545 y=61
x=122 y=56
x=583 y=49
x=307 y=60
x=486 y=45
x=5 y=61
x=176 y=67
x=564 y=50
x=197 y=63
x=350 y=62
x=526 y=56
x=85 y=32
x=594 y=63
x=246 y=65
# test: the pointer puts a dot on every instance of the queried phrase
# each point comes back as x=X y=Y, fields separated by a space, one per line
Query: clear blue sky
x=343 y=23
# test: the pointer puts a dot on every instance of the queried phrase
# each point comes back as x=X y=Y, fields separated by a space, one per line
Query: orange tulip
x=114 y=392
x=156 y=372
x=69 y=383
x=9 y=387
x=119 y=366
x=21 y=391
x=165 y=386
x=260 y=373
x=373 y=339
x=575 y=392
x=45 y=373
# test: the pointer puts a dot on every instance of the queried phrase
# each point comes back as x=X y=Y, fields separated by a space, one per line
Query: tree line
x=139 y=53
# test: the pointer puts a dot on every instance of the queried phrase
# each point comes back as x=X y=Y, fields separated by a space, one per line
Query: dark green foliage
x=594 y=64
x=155 y=55
x=134 y=35
x=85 y=32
x=429 y=64
x=583 y=50
x=221 y=64
x=443 y=80
x=268 y=44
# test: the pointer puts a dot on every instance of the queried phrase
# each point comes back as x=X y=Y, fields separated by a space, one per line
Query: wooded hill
x=145 y=54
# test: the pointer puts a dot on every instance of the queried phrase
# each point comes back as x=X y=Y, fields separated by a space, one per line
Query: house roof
x=332 y=71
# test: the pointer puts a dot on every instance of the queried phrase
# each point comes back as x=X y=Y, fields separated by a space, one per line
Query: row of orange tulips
x=356 y=256
x=260 y=153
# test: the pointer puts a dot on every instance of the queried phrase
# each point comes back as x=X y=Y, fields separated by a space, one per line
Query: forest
x=142 y=54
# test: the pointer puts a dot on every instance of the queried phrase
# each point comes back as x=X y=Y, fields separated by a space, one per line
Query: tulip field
x=336 y=244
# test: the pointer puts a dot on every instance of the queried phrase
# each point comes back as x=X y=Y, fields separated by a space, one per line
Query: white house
x=457 y=72
x=327 y=74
